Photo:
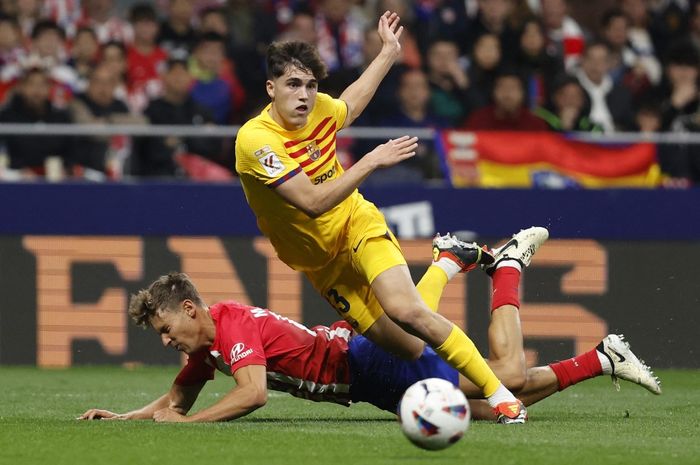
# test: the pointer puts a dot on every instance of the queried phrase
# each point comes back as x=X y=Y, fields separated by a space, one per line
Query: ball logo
x=238 y=351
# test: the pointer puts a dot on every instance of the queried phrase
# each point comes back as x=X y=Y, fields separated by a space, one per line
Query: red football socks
x=577 y=369
x=506 y=282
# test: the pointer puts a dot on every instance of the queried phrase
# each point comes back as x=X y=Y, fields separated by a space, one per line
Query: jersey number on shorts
x=338 y=301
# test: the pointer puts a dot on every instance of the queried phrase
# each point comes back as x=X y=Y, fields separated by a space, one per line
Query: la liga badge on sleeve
x=269 y=160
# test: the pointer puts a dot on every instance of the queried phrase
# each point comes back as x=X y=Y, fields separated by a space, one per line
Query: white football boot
x=626 y=365
x=521 y=247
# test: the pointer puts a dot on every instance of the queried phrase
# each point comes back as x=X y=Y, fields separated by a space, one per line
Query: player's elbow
x=315 y=206
x=259 y=400
x=257 y=397
x=312 y=211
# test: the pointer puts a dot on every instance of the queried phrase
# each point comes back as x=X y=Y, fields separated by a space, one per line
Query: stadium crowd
x=516 y=65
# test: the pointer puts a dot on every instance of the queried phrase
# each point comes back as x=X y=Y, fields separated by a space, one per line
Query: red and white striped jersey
x=308 y=363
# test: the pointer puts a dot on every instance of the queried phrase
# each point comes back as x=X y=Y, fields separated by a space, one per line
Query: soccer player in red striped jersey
x=319 y=224
x=263 y=350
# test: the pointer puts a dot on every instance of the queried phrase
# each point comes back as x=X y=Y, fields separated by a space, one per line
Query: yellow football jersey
x=267 y=155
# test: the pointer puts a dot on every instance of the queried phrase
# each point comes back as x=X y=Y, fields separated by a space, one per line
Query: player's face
x=293 y=97
x=180 y=328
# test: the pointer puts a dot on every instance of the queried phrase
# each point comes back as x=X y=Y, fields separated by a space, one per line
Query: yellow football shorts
x=345 y=282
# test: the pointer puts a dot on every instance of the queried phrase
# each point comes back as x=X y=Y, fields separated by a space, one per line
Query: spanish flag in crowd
x=548 y=160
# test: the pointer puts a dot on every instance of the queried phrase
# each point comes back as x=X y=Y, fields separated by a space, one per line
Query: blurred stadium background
x=116 y=161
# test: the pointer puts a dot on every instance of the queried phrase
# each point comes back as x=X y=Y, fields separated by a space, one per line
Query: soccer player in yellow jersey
x=319 y=224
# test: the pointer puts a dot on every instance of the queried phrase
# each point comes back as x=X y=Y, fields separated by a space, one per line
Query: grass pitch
x=587 y=424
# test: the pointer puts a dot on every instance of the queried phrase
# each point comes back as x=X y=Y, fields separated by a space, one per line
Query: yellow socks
x=431 y=286
x=461 y=353
x=457 y=350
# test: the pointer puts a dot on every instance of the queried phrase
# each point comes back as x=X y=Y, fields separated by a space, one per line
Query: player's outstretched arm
x=179 y=398
x=138 y=414
x=317 y=199
x=249 y=394
x=360 y=92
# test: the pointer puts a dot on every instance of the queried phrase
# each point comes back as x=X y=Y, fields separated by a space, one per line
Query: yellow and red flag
x=543 y=159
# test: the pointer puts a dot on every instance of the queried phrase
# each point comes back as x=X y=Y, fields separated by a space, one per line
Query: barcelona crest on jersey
x=313 y=151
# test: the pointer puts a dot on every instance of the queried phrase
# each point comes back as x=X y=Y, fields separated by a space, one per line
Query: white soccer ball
x=434 y=414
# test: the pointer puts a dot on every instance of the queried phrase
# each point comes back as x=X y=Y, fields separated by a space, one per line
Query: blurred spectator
x=680 y=91
x=49 y=50
x=114 y=56
x=568 y=107
x=682 y=162
x=215 y=87
x=107 y=24
x=485 y=60
x=256 y=23
x=49 y=41
x=84 y=56
x=144 y=58
x=30 y=104
x=385 y=99
x=176 y=32
x=449 y=83
x=243 y=17
x=680 y=112
x=340 y=35
x=629 y=67
x=99 y=106
x=156 y=156
x=68 y=14
x=509 y=110
x=413 y=111
x=647 y=118
x=611 y=104
x=520 y=14
x=492 y=18
x=252 y=27
x=252 y=24
x=12 y=54
x=694 y=26
x=10 y=41
x=441 y=20
x=213 y=19
x=565 y=38
x=639 y=38
x=410 y=54
x=537 y=67
x=28 y=13
x=301 y=28
x=669 y=22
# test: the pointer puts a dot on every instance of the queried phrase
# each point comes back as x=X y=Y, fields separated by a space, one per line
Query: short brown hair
x=282 y=55
x=163 y=294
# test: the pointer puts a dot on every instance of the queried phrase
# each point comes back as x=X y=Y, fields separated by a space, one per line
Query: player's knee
x=411 y=318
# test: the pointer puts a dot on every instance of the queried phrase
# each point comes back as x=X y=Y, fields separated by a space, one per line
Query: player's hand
x=99 y=414
x=393 y=152
x=168 y=415
x=390 y=32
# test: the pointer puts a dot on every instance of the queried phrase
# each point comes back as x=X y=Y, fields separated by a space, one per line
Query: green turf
x=588 y=424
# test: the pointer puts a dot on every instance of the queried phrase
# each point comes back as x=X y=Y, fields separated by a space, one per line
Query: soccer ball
x=434 y=414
